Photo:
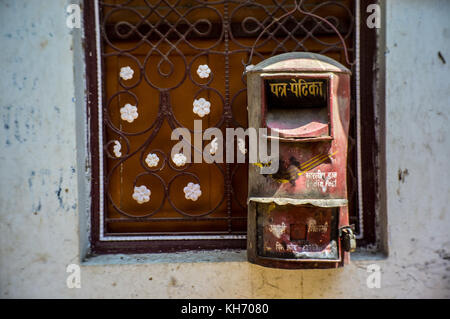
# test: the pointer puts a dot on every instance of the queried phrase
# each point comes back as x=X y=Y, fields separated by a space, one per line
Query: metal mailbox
x=298 y=216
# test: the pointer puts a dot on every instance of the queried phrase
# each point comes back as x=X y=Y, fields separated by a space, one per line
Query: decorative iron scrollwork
x=163 y=32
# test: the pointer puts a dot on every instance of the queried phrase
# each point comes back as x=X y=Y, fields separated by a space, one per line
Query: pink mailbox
x=298 y=216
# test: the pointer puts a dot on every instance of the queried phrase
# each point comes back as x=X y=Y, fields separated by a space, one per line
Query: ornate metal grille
x=164 y=42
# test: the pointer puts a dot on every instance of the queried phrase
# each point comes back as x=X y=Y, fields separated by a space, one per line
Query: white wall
x=42 y=196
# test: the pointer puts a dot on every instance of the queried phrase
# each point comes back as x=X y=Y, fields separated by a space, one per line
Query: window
x=156 y=65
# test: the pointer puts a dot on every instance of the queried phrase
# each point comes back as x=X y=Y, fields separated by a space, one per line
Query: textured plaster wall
x=42 y=170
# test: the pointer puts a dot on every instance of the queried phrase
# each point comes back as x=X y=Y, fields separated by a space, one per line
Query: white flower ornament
x=117 y=148
x=129 y=113
x=179 y=159
x=201 y=107
x=152 y=160
x=192 y=191
x=141 y=194
x=203 y=71
x=126 y=73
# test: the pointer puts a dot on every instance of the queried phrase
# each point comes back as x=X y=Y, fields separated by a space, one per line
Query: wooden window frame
x=371 y=149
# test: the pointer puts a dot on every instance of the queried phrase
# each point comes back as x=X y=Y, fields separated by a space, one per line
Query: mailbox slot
x=297 y=107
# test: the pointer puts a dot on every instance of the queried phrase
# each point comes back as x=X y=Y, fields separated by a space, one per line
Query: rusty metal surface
x=314 y=171
x=296 y=201
x=298 y=232
x=288 y=34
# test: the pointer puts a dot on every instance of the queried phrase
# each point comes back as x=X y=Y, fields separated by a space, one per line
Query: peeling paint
x=278 y=230
x=402 y=174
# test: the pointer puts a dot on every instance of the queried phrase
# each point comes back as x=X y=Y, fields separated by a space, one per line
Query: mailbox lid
x=299 y=61
x=297 y=105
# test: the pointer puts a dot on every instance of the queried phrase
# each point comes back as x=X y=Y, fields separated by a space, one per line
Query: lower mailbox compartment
x=297 y=232
x=287 y=235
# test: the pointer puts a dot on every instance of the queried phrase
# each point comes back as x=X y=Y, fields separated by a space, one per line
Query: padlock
x=348 y=238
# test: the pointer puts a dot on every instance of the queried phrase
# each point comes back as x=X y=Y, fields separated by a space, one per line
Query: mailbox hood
x=293 y=61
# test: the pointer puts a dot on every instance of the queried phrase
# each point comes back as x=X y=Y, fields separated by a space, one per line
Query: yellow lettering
x=298 y=87
x=273 y=88
x=278 y=88
x=315 y=88
x=295 y=89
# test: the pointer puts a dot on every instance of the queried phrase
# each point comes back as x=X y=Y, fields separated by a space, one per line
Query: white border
x=100 y=115
x=172 y=237
x=358 y=121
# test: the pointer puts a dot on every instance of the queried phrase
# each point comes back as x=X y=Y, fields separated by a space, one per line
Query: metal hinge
x=348 y=238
